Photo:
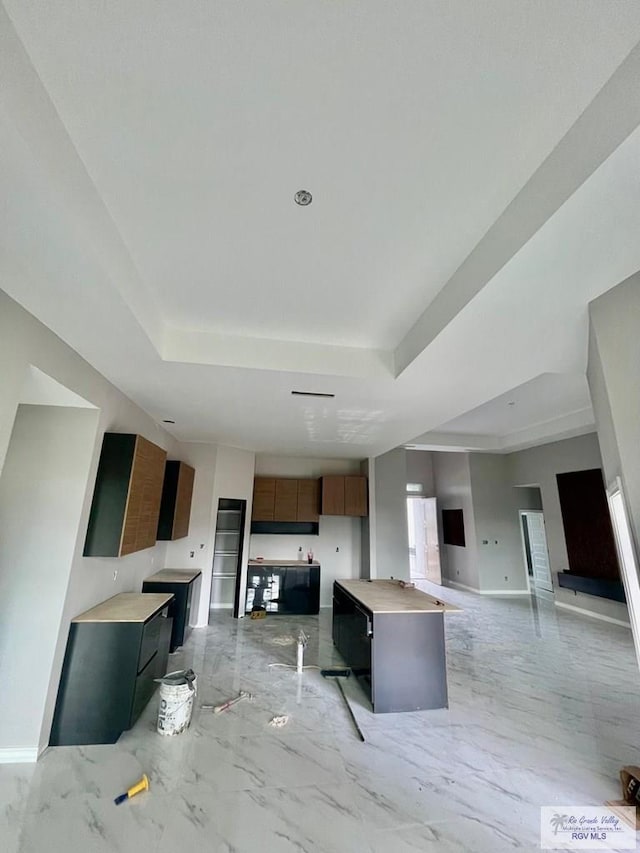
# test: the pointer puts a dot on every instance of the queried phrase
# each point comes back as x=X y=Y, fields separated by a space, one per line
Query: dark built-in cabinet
x=175 y=506
x=126 y=499
x=114 y=652
x=283 y=587
x=183 y=585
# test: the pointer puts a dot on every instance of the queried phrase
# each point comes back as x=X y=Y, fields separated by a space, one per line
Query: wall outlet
x=115 y=574
x=192 y=554
x=201 y=546
x=457 y=571
x=337 y=549
x=506 y=577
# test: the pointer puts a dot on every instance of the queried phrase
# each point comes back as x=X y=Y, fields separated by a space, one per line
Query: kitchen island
x=392 y=638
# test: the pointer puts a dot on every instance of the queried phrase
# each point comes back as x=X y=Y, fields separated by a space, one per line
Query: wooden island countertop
x=387 y=596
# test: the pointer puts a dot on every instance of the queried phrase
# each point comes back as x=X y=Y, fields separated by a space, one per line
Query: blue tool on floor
x=142 y=785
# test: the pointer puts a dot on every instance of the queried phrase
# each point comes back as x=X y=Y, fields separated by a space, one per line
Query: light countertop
x=127 y=607
x=174 y=576
x=386 y=596
x=299 y=564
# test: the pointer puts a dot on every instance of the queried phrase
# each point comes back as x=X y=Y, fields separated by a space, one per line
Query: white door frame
x=627 y=556
x=522 y=513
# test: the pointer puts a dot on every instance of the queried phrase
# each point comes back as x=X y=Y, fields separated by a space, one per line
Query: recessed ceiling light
x=310 y=394
x=303 y=198
x=168 y=421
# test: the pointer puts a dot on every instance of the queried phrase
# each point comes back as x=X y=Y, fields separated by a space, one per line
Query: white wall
x=42 y=490
x=25 y=342
x=391 y=534
x=337 y=547
x=495 y=507
x=452 y=476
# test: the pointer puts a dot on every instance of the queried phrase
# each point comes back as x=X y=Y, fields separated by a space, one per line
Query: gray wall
x=529 y=497
x=42 y=489
x=420 y=470
x=540 y=465
x=452 y=478
x=495 y=506
x=391 y=535
x=365 y=529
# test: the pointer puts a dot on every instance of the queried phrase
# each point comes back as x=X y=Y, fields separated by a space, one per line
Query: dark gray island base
x=393 y=641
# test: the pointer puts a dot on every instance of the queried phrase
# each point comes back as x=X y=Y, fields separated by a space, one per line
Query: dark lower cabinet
x=397 y=657
x=114 y=654
x=287 y=589
x=184 y=585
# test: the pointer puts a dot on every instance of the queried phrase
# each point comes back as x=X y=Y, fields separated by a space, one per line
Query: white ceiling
x=151 y=151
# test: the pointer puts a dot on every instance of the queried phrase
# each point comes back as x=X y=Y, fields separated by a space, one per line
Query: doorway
x=424 y=547
x=536 y=553
x=227 y=555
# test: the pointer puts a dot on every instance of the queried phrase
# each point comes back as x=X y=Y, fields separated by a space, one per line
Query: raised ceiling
x=473 y=180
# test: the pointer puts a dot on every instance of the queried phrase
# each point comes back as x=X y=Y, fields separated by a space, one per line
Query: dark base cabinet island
x=392 y=638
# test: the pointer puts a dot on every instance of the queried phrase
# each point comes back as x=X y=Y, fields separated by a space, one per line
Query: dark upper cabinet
x=175 y=506
x=126 y=499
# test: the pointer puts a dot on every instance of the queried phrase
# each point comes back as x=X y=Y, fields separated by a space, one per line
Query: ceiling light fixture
x=310 y=394
x=303 y=198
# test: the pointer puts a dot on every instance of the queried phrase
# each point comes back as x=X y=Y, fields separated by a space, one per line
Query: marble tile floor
x=544 y=710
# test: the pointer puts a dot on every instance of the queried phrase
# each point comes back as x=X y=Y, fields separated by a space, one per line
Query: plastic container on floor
x=177 y=692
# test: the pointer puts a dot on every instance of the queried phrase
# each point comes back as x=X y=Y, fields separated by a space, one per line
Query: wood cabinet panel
x=308 y=500
x=286 y=503
x=143 y=503
x=126 y=499
x=264 y=498
x=333 y=495
x=355 y=496
x=344 y=495
x=175 y=507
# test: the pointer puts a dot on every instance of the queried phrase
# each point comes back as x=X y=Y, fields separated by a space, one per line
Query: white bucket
x=176 y=707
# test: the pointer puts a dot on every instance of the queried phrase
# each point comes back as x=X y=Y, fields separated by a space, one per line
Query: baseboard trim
x=601 y=616
x=487 y=591
x=19 y=755
x=463 y=586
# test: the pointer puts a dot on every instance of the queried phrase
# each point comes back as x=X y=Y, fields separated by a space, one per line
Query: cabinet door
x=355 y=496
x=143 y=502
x=264 y=497
x=308 y=500
x=183 y=501
x=333 y=495
x=286 y=505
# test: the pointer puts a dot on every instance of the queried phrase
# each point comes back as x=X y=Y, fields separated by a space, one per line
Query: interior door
x=424 y=548
x=539 y=553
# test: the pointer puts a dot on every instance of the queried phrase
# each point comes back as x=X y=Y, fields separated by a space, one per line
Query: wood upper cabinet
x=126 y=499
x=308 y=500
x=264 y=499
x=175 y=507
x=355 y=496
x=286 y=503
x=344 y=495
x=333 y=495
x=281 y=499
